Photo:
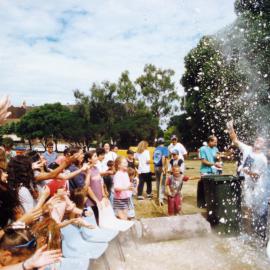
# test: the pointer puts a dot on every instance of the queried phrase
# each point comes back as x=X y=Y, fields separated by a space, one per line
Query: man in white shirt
x=175 y=145
x=256 y=193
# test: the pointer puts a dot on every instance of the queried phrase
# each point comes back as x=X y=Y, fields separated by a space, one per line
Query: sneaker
x=140 y=198
x=161 y=203
x=149 y=196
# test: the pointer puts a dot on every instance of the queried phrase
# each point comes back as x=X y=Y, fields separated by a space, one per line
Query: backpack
x=157 y=157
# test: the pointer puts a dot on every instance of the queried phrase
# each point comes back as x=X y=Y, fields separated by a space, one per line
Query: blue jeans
x=160 y=186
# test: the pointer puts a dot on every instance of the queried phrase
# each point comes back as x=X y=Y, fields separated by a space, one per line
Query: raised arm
x=58 y=170
x=4 y=105
x=53 y=174
x=232 y=133
x=73 y=174
x=43 y=197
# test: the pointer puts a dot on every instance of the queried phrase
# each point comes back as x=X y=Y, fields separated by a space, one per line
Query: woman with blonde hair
x=143 y=157
x=3 y=159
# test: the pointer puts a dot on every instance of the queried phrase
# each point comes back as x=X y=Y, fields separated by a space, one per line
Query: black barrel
x=223 y=202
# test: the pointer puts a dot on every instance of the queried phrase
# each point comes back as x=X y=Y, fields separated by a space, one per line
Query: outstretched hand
x=4 y=105
x=31 y=216
x=230 y=125
x=42 y=258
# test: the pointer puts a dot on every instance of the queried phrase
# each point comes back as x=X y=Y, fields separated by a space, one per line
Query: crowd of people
x=44 y=196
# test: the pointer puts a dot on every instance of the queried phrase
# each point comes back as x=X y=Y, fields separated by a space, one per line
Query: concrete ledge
x=171 y=228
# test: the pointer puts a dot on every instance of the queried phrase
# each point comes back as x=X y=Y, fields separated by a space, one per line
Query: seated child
x=173 y=186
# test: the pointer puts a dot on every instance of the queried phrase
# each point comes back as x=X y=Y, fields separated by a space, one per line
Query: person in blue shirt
x=50 y=155
x=209 y=156
x=160 y=158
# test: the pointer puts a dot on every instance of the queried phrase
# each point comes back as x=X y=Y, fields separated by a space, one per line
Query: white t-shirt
x=108 y=156
x=144 y=159
x=256 y=162
x=255 y=191
x=180 y=147
x=26 y=199
x=101 y=166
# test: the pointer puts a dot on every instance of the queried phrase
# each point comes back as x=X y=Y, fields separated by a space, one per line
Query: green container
x=201 y=203
x=223 y=202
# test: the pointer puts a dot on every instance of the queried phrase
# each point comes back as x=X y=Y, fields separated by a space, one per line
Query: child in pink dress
x=122 y=188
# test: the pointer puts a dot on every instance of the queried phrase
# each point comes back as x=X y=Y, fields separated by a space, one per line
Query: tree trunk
x=44 y=144
x=56 y=149
x=30 y=143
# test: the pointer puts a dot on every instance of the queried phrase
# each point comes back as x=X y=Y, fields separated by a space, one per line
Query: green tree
x=210 y=80
x=158 y=89
x=134 y=128
x=227 y=76
x=100 y=110
x=254 y=6
x=125 y=89
x=45 y=122
x=113 y=112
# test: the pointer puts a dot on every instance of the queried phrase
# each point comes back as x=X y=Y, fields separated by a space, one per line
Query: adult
x=3 y=159
x=10 y=153
x=143 y=157
x=256 y=192
x=210 y=157
x=77 y=181
x=178 y=146
x=22 y=181
x=50 y=155
x=160 y=158
x=109 y=155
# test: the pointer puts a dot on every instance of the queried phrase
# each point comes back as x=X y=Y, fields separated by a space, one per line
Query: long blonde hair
x=118 y=162
x=3 y=158
x=142 y=146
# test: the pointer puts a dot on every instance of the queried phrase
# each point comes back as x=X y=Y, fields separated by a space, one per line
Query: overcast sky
x=49 y=48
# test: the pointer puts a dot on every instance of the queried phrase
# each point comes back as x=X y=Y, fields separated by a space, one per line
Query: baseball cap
x=160 y=140
x=174 y=137
x=175 y=152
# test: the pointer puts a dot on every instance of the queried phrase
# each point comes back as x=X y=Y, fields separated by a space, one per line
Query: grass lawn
x=148 y=208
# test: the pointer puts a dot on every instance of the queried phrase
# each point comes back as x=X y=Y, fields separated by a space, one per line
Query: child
x=174 y=185
x=95 y=186
x=108 y=179
x=122 y=188
x=134 y=182
x=176 y=160
x=131 y=159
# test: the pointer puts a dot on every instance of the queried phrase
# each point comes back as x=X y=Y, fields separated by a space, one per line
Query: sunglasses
x=31 y=244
